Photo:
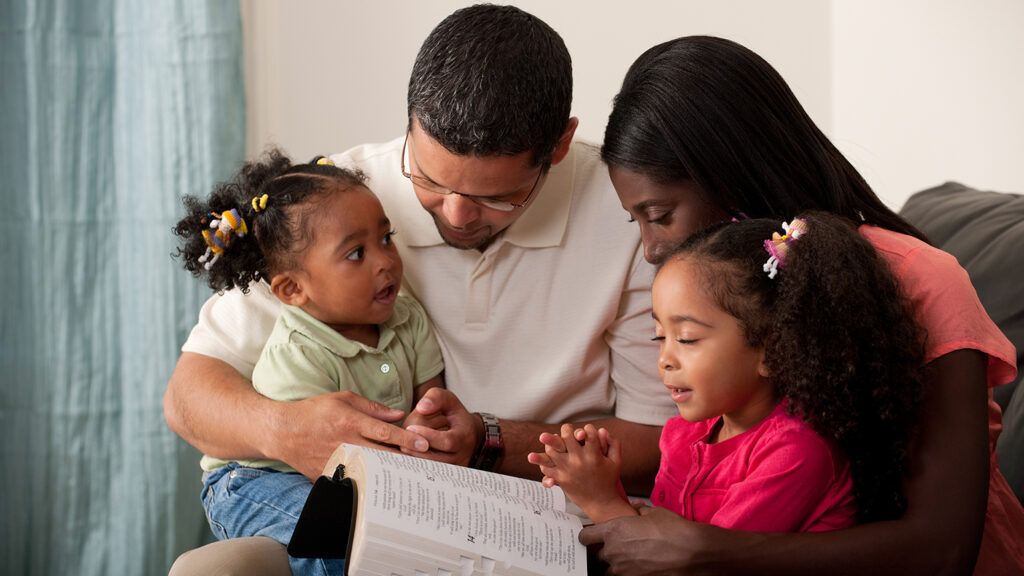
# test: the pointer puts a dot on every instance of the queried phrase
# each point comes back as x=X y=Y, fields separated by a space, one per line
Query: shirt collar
x=541 y=225
x=298 y=320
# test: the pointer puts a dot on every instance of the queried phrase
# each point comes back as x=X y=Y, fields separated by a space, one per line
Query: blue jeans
x=243 y=501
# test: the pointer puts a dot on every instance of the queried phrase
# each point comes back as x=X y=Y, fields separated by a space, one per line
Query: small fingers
x=439 y=440
x=540 y=459
x=568 y=434
x=592 y=439
x=390 y=435
x=552 y=441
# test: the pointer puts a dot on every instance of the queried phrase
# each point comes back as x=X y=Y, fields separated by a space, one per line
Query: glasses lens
x=494 y=204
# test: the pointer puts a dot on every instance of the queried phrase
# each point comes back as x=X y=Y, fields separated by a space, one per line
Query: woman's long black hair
x=841 y=343
x=711 y=111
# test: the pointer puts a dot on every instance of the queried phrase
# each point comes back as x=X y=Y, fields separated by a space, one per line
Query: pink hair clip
x=778 y=246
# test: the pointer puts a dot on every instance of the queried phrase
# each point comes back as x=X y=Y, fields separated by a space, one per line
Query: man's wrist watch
x=492 y=449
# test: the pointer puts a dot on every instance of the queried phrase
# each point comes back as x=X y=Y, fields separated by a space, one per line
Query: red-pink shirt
x=948 y=308
x=778 y=476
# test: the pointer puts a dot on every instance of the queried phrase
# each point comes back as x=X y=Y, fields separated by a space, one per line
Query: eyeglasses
x=428 y=185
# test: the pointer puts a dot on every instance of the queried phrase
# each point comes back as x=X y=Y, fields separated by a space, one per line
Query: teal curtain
x=110 y=111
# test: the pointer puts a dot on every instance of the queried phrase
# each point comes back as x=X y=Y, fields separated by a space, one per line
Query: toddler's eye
x=387 y=241
x=355 y=255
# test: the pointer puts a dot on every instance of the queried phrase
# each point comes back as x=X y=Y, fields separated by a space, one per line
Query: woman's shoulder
x=906 y=254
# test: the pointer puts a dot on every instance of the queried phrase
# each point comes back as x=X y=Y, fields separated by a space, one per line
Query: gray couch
x=985 y=231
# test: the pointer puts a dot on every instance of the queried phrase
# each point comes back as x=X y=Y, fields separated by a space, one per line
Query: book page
x=484 y=516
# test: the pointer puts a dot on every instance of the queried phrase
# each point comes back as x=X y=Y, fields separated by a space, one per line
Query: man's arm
x=459 y=442
x=214 y=408
x=939 y=534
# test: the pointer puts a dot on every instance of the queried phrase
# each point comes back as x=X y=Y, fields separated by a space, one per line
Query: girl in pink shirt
x=791 y=420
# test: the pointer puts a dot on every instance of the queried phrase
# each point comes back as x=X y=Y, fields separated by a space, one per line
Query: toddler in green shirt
x=321 y=241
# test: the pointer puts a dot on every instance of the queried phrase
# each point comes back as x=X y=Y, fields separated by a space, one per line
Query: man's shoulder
x=377 y=161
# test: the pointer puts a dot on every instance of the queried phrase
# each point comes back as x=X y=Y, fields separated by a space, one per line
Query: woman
x=704 y=130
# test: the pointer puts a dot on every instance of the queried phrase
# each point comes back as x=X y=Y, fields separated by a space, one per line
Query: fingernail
x=425 y=404
x=422 y=445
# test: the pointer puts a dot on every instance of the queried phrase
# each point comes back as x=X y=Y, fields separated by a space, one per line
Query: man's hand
x=654 y=543
x=452 y=431
x=309 y=430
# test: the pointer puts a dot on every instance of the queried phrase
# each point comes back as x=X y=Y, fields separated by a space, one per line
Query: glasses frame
x=435 y=188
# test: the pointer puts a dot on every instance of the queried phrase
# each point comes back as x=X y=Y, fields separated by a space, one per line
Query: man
x=513 y=241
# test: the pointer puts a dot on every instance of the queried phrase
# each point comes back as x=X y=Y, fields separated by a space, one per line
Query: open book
x=391 y=514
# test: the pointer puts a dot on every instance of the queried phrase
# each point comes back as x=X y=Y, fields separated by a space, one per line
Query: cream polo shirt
x=551 y=323
x=305 y=357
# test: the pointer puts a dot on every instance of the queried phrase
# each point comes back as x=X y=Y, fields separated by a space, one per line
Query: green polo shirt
x=305 y=357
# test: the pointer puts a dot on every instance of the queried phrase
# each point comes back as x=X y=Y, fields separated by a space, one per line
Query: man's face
x=462 y=222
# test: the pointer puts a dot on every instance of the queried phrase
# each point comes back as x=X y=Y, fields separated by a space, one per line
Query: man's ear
x=562 y=148
x=288 y=289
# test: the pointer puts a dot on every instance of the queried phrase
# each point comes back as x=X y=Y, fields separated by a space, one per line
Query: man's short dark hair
x=492 y=81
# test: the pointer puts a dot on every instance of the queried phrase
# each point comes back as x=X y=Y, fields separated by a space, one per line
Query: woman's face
x=667 y=213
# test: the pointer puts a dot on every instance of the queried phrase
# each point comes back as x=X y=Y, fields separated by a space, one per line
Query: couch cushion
x=985 y=231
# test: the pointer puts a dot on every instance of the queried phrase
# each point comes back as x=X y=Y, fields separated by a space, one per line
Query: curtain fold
x=110 y=111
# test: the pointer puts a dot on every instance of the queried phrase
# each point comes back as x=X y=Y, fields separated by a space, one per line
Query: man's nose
x=460 y=211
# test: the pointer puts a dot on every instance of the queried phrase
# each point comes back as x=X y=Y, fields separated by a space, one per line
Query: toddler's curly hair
x=278 y=233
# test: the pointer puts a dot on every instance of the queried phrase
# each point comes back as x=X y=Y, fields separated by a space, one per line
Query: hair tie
x=777 y=246
x=324 y=161
x=224 y=225
x=259 y=203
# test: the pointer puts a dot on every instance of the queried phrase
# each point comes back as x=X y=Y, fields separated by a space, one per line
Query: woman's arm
x=940 y=533
x=212 y=407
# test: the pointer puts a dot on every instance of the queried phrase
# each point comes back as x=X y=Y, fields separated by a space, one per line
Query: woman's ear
x=288 y=289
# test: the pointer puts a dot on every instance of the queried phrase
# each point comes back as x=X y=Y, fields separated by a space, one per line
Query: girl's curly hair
x=278 y=233
x=840 y=340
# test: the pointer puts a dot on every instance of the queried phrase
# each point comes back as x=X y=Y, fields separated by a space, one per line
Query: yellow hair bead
x=259 y=203
x=325 y=161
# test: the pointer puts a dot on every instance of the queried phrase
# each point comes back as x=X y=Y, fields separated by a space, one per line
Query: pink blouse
x=779 y=476
x=948 y=308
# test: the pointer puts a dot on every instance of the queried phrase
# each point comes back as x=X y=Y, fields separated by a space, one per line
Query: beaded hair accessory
x=224 y=226
x=259 y=203
x=777 y=246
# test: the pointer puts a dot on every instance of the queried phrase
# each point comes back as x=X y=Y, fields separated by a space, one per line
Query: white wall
x=930 y=90
x=335 y=74
x=915 y=92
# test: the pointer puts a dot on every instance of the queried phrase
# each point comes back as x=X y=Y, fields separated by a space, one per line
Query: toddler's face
x=351 y=271
x=705 y=361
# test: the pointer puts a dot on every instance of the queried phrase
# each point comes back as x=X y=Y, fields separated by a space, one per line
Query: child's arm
x=421 y=389
x=589 y=476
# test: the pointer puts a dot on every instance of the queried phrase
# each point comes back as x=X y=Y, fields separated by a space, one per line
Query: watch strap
x=492 y=448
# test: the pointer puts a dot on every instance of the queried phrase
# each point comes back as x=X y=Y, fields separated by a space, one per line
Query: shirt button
x=385 y=368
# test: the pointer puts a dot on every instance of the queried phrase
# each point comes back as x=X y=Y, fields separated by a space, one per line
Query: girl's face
x=667 y=213
x=705 y=361
x=350 y=273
